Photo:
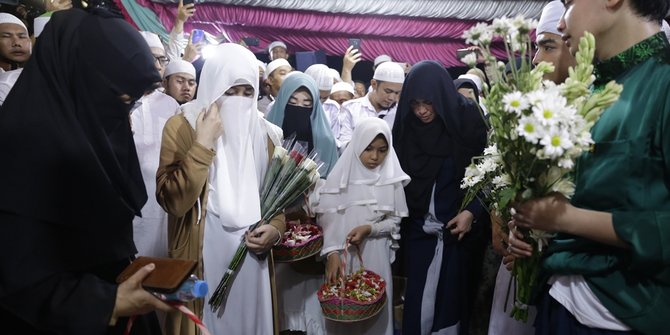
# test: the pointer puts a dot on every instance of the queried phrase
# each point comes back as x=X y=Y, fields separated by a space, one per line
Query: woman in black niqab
x=71 y=182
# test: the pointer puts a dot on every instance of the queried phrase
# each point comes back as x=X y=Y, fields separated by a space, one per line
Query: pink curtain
x=404 y=39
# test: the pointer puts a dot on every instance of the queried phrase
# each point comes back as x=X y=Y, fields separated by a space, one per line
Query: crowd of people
x=132 y=145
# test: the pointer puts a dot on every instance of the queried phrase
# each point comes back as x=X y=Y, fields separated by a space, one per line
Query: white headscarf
x=241 y=152
x=350 y=183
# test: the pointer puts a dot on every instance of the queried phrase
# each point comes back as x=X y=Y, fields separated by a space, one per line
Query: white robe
x=148 y=118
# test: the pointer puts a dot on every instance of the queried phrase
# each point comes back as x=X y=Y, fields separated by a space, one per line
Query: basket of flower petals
x=300 y=241
x=355 y=297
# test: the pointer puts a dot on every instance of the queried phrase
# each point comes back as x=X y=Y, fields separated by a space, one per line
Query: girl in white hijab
x=362 y=202
x=226 y=121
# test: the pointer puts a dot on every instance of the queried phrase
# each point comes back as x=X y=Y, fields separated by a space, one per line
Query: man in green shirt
x=609 y=266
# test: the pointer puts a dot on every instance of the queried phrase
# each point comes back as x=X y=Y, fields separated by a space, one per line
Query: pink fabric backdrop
x=404 y=39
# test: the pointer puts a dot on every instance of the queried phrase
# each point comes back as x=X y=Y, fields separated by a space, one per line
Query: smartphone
x=168 y=275
x=355 y=43
x=188 y=2
x=460 y=53
x=251 y=41
x=197 y=36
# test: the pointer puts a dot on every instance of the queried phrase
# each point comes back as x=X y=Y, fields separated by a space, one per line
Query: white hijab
x=350 y=183
x=241 y=152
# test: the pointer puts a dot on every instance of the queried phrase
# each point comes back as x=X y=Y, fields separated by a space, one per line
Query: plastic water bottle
x=193 y=288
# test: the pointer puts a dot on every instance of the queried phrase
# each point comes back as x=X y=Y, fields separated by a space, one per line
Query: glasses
x=162 y=60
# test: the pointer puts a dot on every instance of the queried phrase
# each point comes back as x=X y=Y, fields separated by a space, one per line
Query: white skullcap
x=276 y=44
x=336 y=75
x=551 y=14
x=665 y=27
x=342 y=86
x=321 y=75
x=381 y=59
x=40 y=22
x=179 y=66
x=390 y=72
x=152 y=40
x=9 y=18
x=261 y=65
x=273 y=65
x=475 y=79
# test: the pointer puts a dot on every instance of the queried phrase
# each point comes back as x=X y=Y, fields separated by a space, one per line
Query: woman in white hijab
x=362 y=202
x=213 y=160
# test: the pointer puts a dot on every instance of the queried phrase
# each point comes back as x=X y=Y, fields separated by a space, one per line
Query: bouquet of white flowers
x=538 y=130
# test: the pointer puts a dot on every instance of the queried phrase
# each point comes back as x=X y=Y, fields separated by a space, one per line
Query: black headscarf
x=467 y=83
x=70 y=163
x=458 y=131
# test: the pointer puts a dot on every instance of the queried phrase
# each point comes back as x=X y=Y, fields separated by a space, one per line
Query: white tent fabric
x=457 y=9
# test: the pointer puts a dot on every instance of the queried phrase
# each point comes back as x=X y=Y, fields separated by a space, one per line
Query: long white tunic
x=148 y=118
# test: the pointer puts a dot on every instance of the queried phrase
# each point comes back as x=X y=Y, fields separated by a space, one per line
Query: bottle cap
x=200 y=289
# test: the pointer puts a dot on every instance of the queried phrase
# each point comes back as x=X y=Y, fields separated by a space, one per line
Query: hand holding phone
x=355 y=43
x=197 y=36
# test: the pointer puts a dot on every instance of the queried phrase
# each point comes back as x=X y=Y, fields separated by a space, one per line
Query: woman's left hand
x=262 y=238
x=358 y=234
x=547 y=213
x=461 y=224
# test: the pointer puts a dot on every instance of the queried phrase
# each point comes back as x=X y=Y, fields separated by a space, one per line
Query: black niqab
x=70 y=164
x=297 y=120
x=458 y=131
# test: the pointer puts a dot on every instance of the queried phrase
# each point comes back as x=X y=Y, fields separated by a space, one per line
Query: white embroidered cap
x=152 y=40
x=273 y=65
x=342 y=86
x=9 y=18
x=390 y=72
x=179 y=66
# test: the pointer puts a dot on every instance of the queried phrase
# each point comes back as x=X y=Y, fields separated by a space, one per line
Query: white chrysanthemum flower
x=501 y=181
x=487 y=165
x=566 y=163
x=530 y=128
x=547 y=113
x=470 y=59
x=515 y=102
x=474 y=35
x=491 y=150
x=501 y=26
x=564 y=186
x=472 y=176
x=555 y=142
x=541 y=237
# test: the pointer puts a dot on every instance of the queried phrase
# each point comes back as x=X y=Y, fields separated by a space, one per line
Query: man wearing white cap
x=379 y=60
x=15 y=49
x=179 y=81
x=157 y=50
x=15 y=46
x=340 y=93
x=147 y=119
x=275 y=73
x=277 y=50
x=550 y=46
x=380 y=102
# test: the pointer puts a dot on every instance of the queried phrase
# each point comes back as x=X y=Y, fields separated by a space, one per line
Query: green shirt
x=628 y=174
